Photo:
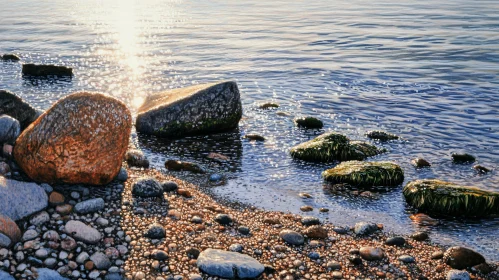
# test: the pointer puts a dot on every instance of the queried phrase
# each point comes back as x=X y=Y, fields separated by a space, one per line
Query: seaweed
x=365 y=174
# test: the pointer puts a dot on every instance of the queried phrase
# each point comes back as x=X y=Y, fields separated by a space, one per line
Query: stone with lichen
x=365 y=174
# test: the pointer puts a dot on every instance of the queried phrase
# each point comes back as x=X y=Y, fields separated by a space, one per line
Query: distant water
x=425 y=70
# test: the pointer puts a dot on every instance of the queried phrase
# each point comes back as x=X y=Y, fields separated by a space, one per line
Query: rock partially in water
x=363 y=228
x=40 y=70
x=381 y=135
x=420 y=163
x=9 y=232
x=229 y=265
x=435 y=196
x=136 y=158
x=199 y=109
x=481 y=169
x=462 y=158
x=21 y=199
x=332 y=147
x=10 y=129
x=176 y=165
x=462 y=258
x=254 y=137
x=292 y=237
x=365 y=174
x=14 y=106
x=82 y=138
x=10 y=57
x=309 y=122
x=268 y=105
x=147 y=187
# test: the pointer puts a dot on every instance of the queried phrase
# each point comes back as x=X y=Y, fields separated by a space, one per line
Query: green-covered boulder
x=440 y=197
x=365 y=174
x=309 y=122
x=333 y=147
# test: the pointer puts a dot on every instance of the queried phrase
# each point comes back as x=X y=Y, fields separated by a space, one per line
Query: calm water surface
x=428 y=72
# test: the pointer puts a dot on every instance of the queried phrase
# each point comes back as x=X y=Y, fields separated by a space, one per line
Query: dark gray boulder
x=10 y=129
x=46 y=70
x=89 y=206
x=10 y=57
x=199 y=109
x=147 y=187
x=21 y=199
x=229 y=265
x=462 y=258
x=14 y=106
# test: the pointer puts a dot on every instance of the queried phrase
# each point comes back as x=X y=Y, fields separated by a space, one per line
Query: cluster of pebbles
x=122 y=231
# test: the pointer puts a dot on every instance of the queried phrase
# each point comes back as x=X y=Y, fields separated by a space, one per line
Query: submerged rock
x=46 y=70
x=365 y=174
x=176 y=165
x=268 y=105
x=229 y=265
x=21 y=199
x=462 y=158
x=447 y=198
x=198 y=109
x=9 y=232
x=82 y=138
x=309 y=122
x=136 y=158
x=10 y=129
x=381 y=135
x=481 y=169
x=462 y=258
x=10 y=57
x=14 y=106
x=254 y=137
x=331 y=147
x=420 y=163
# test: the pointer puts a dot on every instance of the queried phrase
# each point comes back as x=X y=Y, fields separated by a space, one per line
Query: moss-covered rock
x=333 y=146
x=309 y=122
x=268 y=105
x=365 y=174
x=381 y=135
x=440 y=197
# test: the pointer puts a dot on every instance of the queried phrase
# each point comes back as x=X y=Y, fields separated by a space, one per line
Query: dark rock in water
x=176 y=165
x=483 y=268
x=396 y=240
x=481 y=169
x=332 y=147
x=420 y=163
x=46 y=70
x=462 y=158
x=21 y=199
x=136 y=158
x=147 y=187
x=365 y=174
x=10 y=57
x=292 y=237
x=355 y=260
x=462 y=258
x=223 y=219
x=12 y=105
x=81 y=139
x=268 y=105
x=381 y=135
x=215 y=177
x=10 y=129
x=229 y=265
x=446 y=198
x=254 y=137
x=309 y=122
x=199 y=109
x=155 y=231
x=9 y=232
x=310 y=221
x=169 y=186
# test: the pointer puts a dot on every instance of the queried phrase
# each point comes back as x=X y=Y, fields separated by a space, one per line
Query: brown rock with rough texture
x=81 y=139
x=462 y=258
x=10 y=229
x=56 y=198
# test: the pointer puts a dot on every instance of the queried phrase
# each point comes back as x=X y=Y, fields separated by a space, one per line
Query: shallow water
x=425 y=71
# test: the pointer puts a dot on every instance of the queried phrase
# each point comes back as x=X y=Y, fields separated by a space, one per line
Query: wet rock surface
x=40 y=70
x=14 y=106
x=365 y=174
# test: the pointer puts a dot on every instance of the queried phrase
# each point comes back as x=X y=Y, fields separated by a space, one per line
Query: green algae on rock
x=440 y=197
x=381 y=135
x=309 y=122
x=365 y=174
x=269 y=105
x=199 y=109
x=333 y=146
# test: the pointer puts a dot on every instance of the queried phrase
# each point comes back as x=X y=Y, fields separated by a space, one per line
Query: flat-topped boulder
x=10 y=57
x=21 y=199
x=10 y=129
x=14 y=106
x=81 y=139
x=365 y=174
x=446 y=198
x=229 y=265
x=199 y=109
x=40 y=70
x=333 y=146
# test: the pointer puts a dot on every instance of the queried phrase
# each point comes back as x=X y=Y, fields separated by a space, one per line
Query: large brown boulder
x=462 y=258
x=82 y=138
x=199 y=109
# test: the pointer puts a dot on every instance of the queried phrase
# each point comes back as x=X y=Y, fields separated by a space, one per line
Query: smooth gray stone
x=21 y=199
x=5 y=276
x=49 y=274
x=10 y=129
x=100 y=260
x=5 y=241
x=292 y=237
x=89 y=206
x=229 y=264
x=82 y=232
x=458 y=275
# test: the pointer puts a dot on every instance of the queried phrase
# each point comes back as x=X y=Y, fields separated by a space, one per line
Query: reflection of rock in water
x=197 y=149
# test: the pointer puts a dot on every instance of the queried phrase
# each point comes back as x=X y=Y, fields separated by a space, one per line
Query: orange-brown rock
x=9 y=229
x=82 y=138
